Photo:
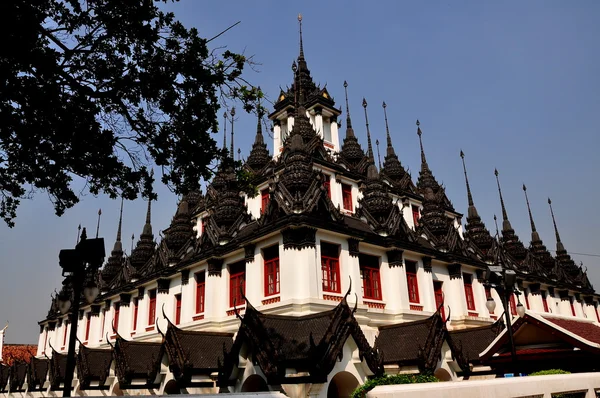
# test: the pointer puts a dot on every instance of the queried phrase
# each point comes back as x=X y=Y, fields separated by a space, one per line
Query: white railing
x=587 y=384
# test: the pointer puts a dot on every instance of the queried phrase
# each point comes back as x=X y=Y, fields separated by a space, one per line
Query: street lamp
x=80 y=266
x=503 y=281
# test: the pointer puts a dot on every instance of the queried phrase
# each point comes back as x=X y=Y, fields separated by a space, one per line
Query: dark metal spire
x=349 y=129
x=533 y=230
x=301 y=56
x=390 y=148
x=537 y=246
x=475 y=228
x=98 y=225
x=469 y=196
x=496 y=224
x=424 y=164
x=78 y=232
x=369 y=145
x=505 y=223
x=225 y=130
x=559 y=244
x=120 y=222
x=378 y=154
x=147 y=230
x=132 y=239
x=511 y=241
x=232 y=113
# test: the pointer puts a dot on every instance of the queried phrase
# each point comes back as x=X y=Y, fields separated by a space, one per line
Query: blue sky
x=513 y=84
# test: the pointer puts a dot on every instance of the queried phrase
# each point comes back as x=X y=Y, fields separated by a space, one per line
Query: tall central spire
x=369 y=145
x=232 y=113
x=301 y=56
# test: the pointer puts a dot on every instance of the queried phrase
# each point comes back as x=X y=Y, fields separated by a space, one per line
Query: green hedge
x=361 y=392
x=550 y=372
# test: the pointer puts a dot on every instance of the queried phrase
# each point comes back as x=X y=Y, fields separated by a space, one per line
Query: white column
x=394 y=286
x=426 y=293
x=319 y=122
x=335 y=139
x=216 y=294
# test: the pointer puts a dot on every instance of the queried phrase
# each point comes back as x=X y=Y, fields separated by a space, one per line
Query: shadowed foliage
x=98 y=92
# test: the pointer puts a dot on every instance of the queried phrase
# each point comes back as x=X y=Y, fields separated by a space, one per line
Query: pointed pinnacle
x=496 y=223
x=378 y=155
x=469 y=196
x=232 y=113
x=505 y=223
x=423 y=159
x=225 y=130
x=390 y=148
x=301 y=45
x=558 y=242
x=369 y=145
x=349 y=130
x=533 y=230
x=120 y=222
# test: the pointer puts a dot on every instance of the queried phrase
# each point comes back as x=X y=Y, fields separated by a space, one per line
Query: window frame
x=88 y=321
x=371 y=277
x=545 y=301
x=237 y=278
x=512 y=303
x=347 y=196
x=152 y=306
x=271 y=271
x=416 y=213
x=412 y=281
x=177 y=308
x=330 y=268
x=265 y=197
x=66 y=327
x=468 y=287
x=438 y=291
x=116 y=316
x=136 y=305
x=200 y=298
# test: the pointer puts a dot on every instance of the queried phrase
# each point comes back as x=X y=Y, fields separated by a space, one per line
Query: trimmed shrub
x=361 y=391
x=550 y=372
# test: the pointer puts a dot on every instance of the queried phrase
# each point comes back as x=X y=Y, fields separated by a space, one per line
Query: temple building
x=337 y=270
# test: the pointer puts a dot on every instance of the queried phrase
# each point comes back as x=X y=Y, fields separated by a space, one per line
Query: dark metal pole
x=513 y=352
x=78 y=278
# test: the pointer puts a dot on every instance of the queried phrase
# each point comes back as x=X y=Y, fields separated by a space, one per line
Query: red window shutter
x=65 y=327
x=513 y=305
x=347 y=196
x=203 y=226
x=330 y=267
x=200 y=291
x=271 y=263
x=152 y=307
x=88 y=321
x=103 y=323
x=467 y=278
x=412 y=283
x=416 y=215
x=597 y=313
x=545 y=301
x=117 y=314
x=327 y=184
x=135 y=312
x=237 y=283
x=439 y=297
x=177 y=309
x=572 y=307
x=369 y=270
x=526 y=300
x=264 y=200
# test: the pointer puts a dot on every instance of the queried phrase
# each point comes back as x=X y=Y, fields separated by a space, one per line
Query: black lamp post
x=504 y=282
x=79 y=266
